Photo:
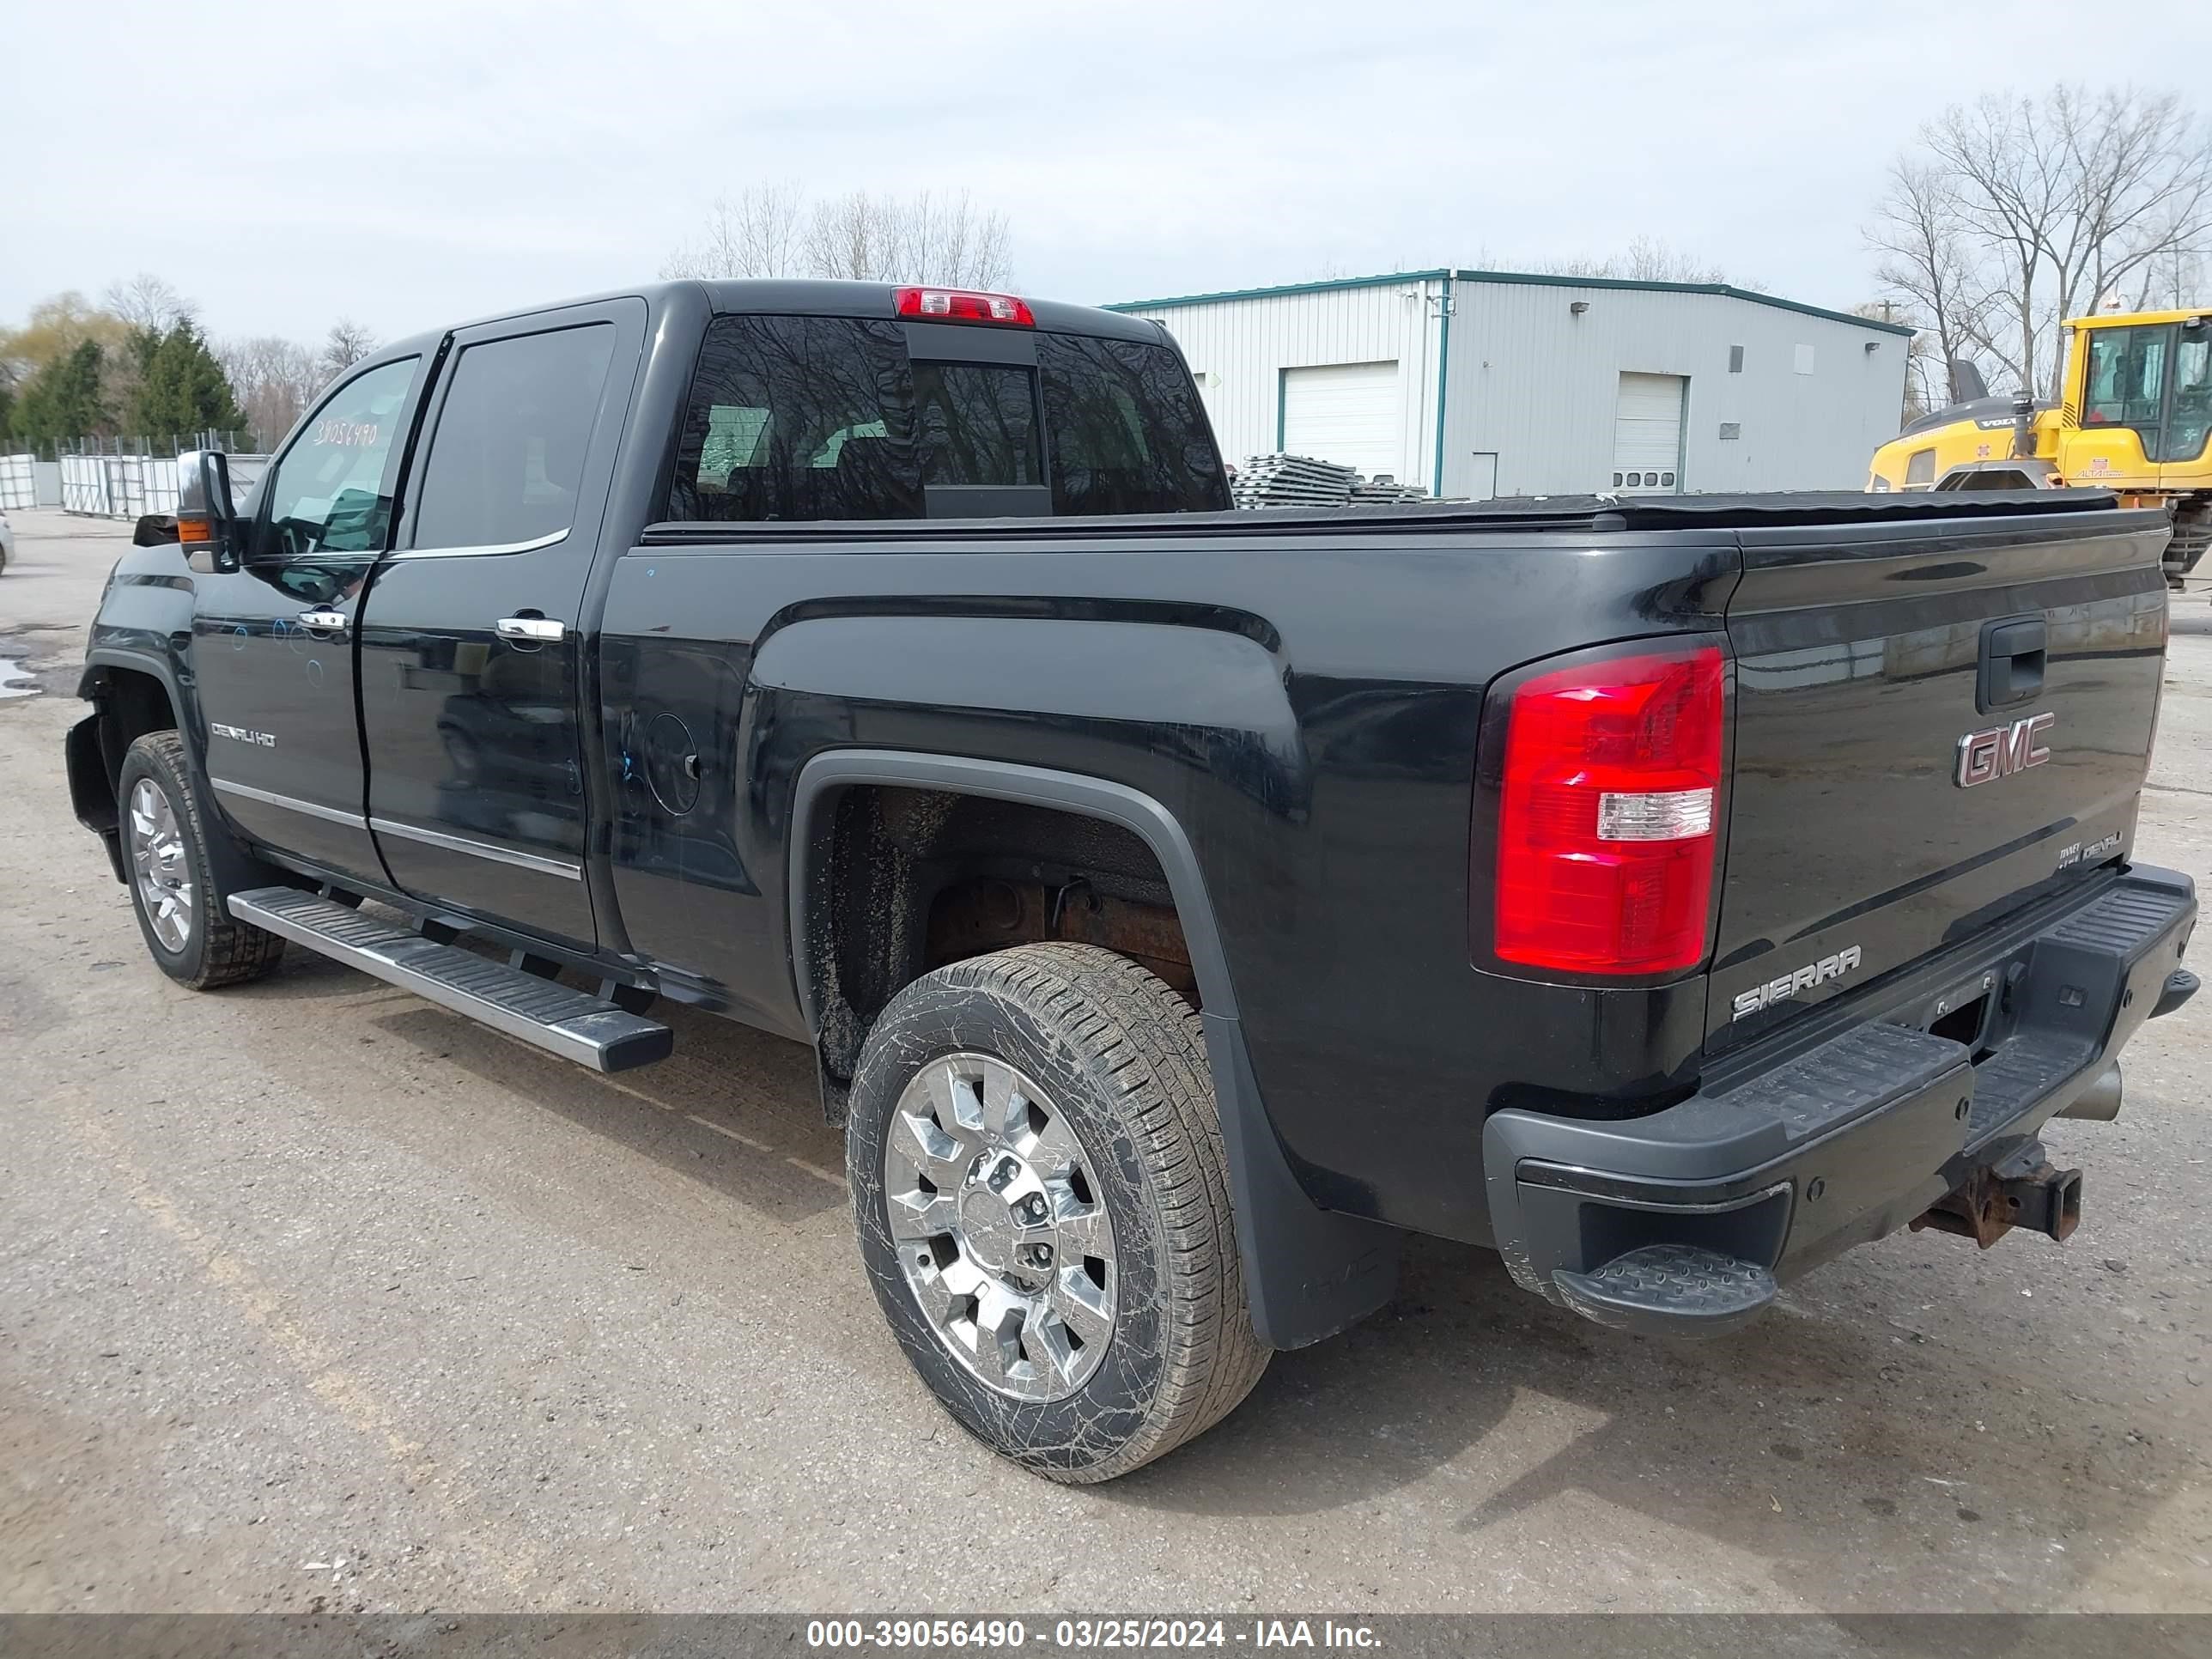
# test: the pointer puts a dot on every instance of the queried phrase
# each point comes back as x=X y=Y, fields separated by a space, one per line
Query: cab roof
x=2121 y=319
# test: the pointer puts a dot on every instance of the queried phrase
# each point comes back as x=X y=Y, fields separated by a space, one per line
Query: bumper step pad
x=1674 y=1290
x=540 y=1012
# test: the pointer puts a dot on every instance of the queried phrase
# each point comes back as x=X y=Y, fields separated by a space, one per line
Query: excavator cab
x=2154 y=381
x=2136 y=417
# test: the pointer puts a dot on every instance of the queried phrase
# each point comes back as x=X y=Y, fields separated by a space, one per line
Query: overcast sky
x=412 y=164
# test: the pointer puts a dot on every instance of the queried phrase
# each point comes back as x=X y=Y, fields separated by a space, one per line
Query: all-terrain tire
x=217 y=949
x=1121 y=1055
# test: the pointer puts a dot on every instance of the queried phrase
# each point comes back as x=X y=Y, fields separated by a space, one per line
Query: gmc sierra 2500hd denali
x=1182 y=905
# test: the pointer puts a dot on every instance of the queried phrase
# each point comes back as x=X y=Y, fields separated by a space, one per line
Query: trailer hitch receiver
x=2023 y=1191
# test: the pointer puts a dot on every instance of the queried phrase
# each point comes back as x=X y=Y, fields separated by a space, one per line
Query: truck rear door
x=1936 y=723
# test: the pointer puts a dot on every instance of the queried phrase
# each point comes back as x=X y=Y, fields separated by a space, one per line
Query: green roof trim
x=1321 y=287
x=1724 y=290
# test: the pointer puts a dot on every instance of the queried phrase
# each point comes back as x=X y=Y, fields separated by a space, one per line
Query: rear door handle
x=324 y=622
x=532 y=630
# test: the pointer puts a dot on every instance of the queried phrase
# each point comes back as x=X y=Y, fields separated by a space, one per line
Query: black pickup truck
x=1182 y=905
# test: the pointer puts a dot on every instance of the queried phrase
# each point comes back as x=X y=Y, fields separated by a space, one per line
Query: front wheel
x=192 y=938
x=1042 y=1203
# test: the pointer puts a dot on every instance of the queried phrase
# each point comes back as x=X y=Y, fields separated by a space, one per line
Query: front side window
x=507 y=458
x=2191 y=420
x=327 y=496
x=2127 y=377
x=1920 y=469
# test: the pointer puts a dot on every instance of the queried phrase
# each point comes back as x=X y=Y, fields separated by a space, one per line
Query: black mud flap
x=91 y=790
x=1308 y=1273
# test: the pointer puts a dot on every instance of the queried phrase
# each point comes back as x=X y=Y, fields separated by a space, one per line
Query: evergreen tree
x=183 y=390
x=62 y=401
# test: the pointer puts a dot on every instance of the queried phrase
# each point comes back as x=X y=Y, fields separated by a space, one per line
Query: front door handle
x=532 y=630
x=324 y=622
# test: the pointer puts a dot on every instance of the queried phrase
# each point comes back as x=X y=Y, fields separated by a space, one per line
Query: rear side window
x=798 y=417
x=1128 y=433
x=819 y=417
x=508 y=457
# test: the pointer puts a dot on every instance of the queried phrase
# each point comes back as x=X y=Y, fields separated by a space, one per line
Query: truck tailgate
x=1935 y=724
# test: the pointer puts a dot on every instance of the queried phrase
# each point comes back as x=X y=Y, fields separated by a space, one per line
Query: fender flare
x=235 y=868
x=138 y=662
x=1308 y=1273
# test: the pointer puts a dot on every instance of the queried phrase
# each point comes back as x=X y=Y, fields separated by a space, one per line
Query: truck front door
x=470 y=649
x=272 y=646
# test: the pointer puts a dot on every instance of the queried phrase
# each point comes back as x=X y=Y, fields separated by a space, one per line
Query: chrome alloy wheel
x=161 y=866
x=1000 y=1227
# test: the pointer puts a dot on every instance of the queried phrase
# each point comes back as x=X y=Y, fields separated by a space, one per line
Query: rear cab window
x=812 y=418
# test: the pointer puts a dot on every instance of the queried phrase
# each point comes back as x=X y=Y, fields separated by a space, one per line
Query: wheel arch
x=1309 y=1272
x=827 y=775
x=131 y=695
x=134 y=694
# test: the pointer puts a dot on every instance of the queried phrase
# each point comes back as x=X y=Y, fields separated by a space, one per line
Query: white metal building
x=1488 y=383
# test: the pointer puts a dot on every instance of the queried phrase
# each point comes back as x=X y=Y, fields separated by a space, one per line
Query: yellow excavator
x=2133 y=417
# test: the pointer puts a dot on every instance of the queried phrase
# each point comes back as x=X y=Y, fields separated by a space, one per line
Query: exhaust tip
x=2100 y=1102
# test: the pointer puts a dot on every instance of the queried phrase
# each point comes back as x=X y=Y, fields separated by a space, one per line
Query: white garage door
x=1347 y=413
x=1647 y=432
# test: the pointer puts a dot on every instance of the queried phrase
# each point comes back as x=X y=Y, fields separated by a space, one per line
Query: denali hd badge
x=1786 y=986
x=2002 y=751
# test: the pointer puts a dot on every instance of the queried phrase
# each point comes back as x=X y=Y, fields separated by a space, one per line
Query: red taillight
x=1607 y=821
x=961 y=305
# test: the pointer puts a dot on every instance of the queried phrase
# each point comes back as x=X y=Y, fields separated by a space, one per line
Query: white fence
x=127 y=486
x=19 y=486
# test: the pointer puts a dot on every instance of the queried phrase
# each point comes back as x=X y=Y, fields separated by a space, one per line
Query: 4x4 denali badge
x=1786 y=986
x=2002 y=750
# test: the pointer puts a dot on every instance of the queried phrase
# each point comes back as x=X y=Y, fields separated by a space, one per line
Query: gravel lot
x=313 y=1296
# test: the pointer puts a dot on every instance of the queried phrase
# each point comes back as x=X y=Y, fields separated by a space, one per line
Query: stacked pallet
x=1291 y=481
x=1382 y=489
x=1302 y=481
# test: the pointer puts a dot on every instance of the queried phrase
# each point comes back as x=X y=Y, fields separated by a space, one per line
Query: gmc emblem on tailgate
x=2002 y=751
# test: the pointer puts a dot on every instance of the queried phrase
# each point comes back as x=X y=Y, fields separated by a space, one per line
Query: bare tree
x=949 y=239
x=852 y=236
x=1925 y=263
x=346 y=344
x=1645 y=260
x=273 y=378
x=148 y=304
x=758 y=232
x=2044 y=208
x=772 y=230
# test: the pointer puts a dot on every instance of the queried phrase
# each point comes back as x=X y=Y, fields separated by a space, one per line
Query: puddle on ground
x=11 y=672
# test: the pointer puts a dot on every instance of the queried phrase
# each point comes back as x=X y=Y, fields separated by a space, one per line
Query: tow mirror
x=207 y=523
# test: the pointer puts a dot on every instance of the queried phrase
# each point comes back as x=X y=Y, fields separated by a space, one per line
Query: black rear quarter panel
x=1307 y=707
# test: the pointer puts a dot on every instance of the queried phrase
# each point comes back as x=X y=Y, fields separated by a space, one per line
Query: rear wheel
x=193 y=937
x=1042 y=1204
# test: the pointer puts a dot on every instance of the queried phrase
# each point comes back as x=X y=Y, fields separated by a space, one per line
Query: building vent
x=1804 y=360
x=1735 y=360
x=1731 y=429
